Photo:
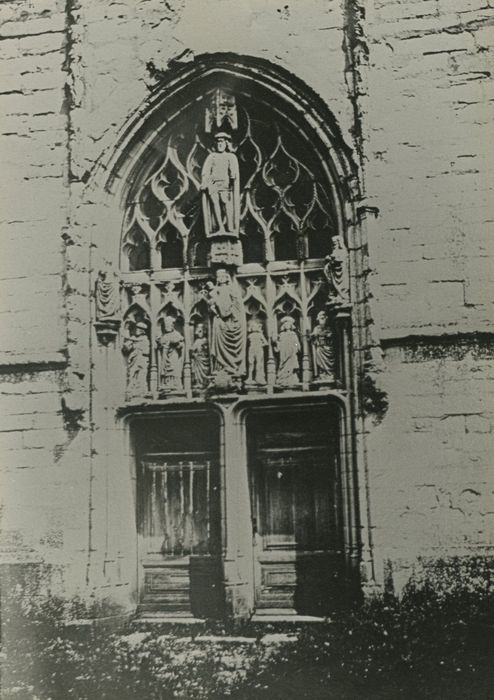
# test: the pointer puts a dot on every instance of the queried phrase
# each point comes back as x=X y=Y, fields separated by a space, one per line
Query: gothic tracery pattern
x=277 y=196
x=235 y=230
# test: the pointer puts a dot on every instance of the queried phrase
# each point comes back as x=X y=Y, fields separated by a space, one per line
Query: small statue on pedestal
x=107 y=297
x=220 y=182
x=288 y=348
x=323 y=349
x=137 y=348
x=255 y=355
x=200 y=358
x=170 y=347
x=337 y=272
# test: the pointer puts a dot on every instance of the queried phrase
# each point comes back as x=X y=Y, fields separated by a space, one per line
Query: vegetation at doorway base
x=435 y=641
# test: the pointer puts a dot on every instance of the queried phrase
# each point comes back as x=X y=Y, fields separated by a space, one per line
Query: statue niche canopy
x=233 y=261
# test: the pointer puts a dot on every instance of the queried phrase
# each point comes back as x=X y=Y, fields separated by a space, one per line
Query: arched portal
x=234 y=284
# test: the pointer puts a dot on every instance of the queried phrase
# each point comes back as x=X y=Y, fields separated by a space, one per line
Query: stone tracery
x=238 y=198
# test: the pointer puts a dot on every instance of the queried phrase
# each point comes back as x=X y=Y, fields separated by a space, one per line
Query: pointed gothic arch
x=283 y=285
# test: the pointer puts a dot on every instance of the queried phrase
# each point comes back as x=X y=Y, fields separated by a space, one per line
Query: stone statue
x=288 y=348
x=107 y=296
x=221 y=189
x=200 y=358
x=323 y=348
x=228 y=334
x=137 y=348
x=170 y=347
x=255 y=354
x=337 y=272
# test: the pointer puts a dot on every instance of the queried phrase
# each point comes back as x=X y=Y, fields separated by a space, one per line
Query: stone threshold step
x=266 y=639
x=161 y=619
x=295 y=619
x=189 y=621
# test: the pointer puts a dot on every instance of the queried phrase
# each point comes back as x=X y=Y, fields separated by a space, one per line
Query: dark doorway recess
x=178 y=513
x=295 y=493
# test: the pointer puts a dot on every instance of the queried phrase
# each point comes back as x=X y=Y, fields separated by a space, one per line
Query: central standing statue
x=228 y=335
x=220 y=182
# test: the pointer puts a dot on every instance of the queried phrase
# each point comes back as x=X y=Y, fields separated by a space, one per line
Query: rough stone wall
x=33 y=142
x=429 y=169
x=431 y=473
x=429 y=172
x=39 y=493
x=410 y=85
x=33 y=196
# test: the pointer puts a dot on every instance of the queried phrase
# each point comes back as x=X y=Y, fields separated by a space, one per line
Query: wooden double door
x=179 y=515
x=295 y=492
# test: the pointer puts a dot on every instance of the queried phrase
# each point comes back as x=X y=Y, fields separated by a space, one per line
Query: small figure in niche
x=288 y=348
x=137 y=349
x=200 y=358
x=323 y=348
x=221 y=189
x=228 y=330
x=170 y=348
x=255 y=355
x=336 y=271
x=107 y=296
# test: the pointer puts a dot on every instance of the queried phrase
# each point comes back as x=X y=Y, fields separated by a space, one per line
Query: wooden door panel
x=167 y=586
x=295 y=503
x=178 y=511
x=180 y=535
x=308 y=584
x=177 y=505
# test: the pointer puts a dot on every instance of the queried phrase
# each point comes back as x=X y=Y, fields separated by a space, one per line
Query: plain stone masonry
x=416 y=116
x=431 y=85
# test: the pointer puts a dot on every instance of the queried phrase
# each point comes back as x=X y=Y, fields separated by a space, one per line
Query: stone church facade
x=247 y=354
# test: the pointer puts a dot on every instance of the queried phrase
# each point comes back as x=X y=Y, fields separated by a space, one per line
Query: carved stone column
x=237 y=562
x=341 y=315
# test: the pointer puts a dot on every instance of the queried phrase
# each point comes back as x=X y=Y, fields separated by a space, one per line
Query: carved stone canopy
x=221 y=111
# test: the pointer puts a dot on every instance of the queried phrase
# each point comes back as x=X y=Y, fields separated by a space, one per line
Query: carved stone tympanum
x=235 y=193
